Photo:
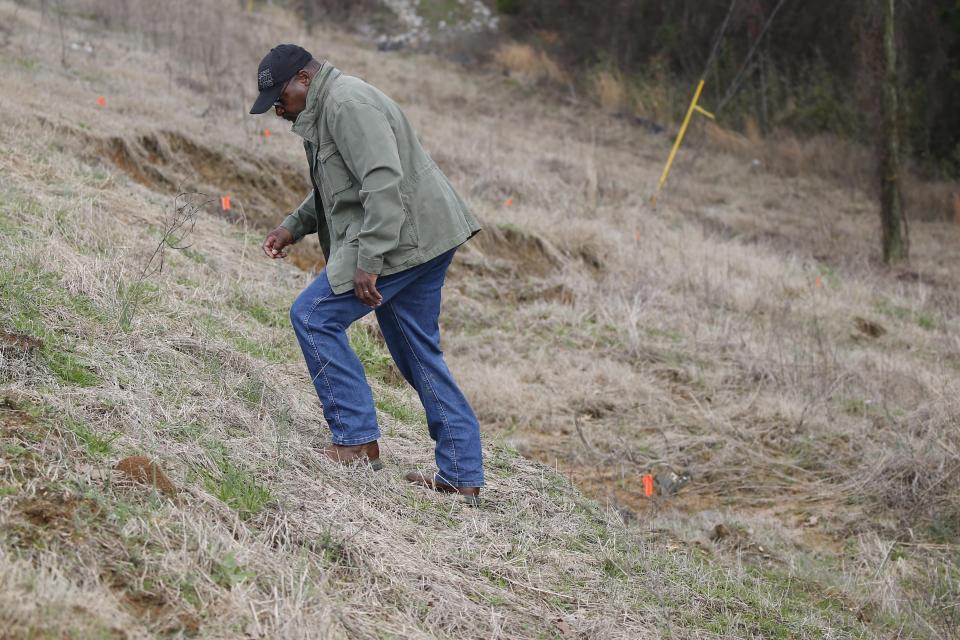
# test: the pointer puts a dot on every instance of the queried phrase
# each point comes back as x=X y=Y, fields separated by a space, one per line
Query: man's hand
x=365 y=288
x=276 y=241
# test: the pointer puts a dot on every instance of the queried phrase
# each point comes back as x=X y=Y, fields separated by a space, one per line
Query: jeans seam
x=313 y=344
x=464 y=483
x=426 y=378
x=347 y=442
x=333 y=399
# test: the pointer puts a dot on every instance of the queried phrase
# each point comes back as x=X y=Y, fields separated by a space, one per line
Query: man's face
x=293 y=98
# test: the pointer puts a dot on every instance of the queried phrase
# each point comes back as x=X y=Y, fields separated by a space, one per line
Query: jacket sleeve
x=304 y=219
x=368 y=145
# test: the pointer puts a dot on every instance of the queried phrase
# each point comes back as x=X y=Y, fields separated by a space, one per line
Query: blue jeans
x=408 y=318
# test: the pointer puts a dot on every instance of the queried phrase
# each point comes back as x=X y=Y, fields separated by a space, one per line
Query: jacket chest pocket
x=334 y=175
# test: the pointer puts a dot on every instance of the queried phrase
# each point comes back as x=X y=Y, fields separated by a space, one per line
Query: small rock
x=669 y=482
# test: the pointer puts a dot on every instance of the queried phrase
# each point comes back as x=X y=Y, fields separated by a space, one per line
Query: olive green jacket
x=379 y=202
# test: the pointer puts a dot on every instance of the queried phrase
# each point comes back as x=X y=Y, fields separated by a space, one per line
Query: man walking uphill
x=389 y=223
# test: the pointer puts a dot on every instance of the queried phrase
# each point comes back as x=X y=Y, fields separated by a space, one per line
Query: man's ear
x=304 y=77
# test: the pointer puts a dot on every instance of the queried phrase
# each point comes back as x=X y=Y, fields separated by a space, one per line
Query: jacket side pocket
x=334 y=172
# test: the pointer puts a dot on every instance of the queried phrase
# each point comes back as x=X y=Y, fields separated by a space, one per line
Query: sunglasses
x=279 y=101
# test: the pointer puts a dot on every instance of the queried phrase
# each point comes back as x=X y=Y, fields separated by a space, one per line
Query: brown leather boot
x=344 y=454
x=471 y=495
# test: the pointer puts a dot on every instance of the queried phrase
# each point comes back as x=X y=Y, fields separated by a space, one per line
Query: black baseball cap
x=278 y=66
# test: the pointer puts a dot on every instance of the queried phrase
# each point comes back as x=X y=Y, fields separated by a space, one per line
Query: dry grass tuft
x=825 y=156
x=528 y=64
x=751 y=129
x=930 y=199
x=610 y=90
x=838 y=160
x=726 y=140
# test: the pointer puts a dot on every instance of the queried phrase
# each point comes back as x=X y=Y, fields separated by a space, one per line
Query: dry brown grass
x=838 y=160
x=528 y=64
x=590 y=331
x=931 y=200
x=610 y=90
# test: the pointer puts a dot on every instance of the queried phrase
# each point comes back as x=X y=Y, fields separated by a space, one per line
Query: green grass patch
x=860 y=408
x=922 y=319
x=494 y=578
x=270 y=317
x=235 y=486
x=612 y=569
x=449 y=11
x=228 y=573
x=271 y=346
x=894 y=311
x=95 y=444
x=54 y=626
x=68 y=369
x=369 y=347
x=14 y=451
x=134 y=297
x=272 y=349
x=26 y=63
x=120 y=512
x=503 y=458
x=34 y=296
x=399 y=410
x=945 y=529
x=667 y=334
x=187 y=586
x=553 y=485
x=195 y=256
x=942 y=586
x=766 y=601
x=189 y=432
x=333 y=550
x=274 y=314
x=489 y=599
x=829 y=275
x=36 y=304
x=251 y=392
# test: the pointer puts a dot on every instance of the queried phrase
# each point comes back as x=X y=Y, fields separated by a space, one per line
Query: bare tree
x=896 y=244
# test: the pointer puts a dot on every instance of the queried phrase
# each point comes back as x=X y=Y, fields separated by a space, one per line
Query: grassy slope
x=196 y=367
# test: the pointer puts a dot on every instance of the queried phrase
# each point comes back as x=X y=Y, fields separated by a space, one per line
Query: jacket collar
x=306 y=123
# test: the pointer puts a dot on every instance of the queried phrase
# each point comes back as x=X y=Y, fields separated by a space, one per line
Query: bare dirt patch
x=17 y=354
x=14 y=419
x=152 y=607
x=18 y=343
x=169 y=162
x=49 y=517
x=516 y=252
x=50 y=511
x=869 y=328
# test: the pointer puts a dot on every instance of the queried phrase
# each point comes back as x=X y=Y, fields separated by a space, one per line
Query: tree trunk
x=895 y=238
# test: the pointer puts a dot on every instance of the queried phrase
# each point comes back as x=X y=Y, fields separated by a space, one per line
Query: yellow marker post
x=694 y=106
